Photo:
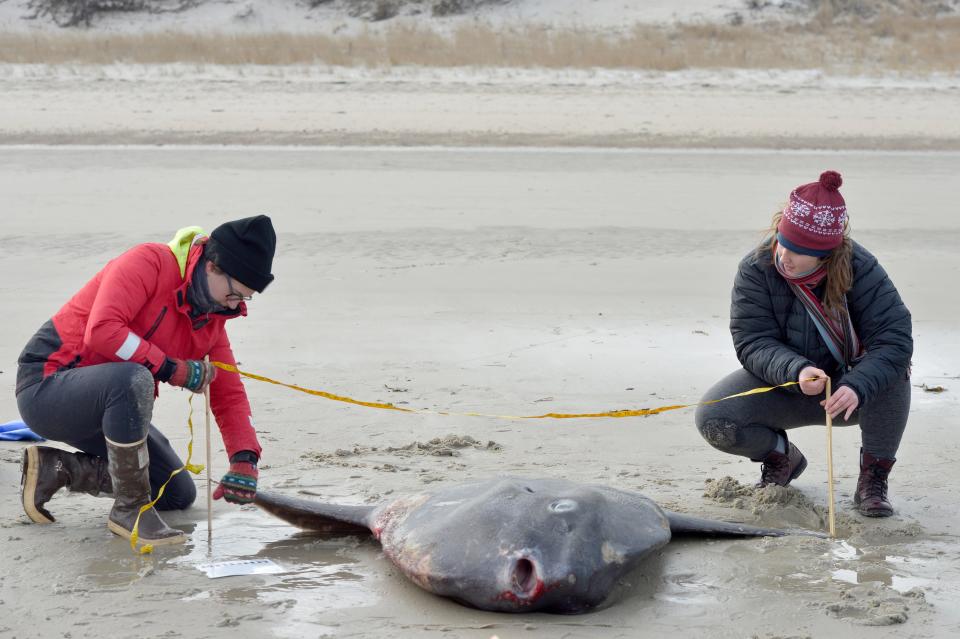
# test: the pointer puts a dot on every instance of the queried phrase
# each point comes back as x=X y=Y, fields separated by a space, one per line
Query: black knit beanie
x=244 y=250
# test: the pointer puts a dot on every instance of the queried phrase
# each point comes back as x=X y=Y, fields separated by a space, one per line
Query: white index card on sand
x=236 y=567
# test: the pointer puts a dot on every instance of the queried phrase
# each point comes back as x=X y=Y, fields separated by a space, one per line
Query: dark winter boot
x=46 y=470
x=871 y=497
x=129 y=466
x=782 y=469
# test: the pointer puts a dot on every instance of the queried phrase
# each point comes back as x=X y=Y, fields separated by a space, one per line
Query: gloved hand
x=193 y=374
x=239 y=485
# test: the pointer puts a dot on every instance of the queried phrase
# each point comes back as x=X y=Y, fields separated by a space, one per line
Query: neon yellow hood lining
x=181 y=244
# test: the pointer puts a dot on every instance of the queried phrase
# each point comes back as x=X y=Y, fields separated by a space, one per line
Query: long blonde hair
x=839 y=265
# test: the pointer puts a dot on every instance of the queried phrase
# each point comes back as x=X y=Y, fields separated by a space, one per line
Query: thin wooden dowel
x=206 y=396
x=833 y=524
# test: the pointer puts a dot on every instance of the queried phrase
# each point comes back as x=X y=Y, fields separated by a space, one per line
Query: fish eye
x=563 y=506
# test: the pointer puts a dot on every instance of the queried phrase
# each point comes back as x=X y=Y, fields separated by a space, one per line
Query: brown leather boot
x=46 y=470
x=129 y=466
x=871 y=496
x=781 y=469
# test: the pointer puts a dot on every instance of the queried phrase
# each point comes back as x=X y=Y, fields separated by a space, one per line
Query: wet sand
x=501 y=281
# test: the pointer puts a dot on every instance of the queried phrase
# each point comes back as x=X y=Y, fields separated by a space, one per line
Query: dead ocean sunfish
x=513 y=544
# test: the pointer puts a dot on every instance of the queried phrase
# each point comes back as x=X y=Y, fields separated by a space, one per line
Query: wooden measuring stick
x=833 y=525
x=206 y=396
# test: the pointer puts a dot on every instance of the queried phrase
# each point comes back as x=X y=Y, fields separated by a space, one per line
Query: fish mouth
x=524 y=585
x=524 y=575
x=524 y=580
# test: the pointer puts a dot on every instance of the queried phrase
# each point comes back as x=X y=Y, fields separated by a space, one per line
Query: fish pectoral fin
x=317 y=516
x=695 y=526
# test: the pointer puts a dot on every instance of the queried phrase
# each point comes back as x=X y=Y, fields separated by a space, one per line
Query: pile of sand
x=776 y=505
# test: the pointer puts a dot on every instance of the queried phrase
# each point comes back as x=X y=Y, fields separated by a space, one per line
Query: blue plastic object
x=17 y=431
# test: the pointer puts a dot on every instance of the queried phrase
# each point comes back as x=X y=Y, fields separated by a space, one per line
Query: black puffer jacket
x=775 y=337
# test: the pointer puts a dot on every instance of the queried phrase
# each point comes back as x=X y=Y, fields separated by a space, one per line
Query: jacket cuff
x=165 y=372
x=154 y=359
x=795 y=372
x=245 y=456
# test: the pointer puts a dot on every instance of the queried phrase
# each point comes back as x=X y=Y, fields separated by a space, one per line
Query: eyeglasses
x=234 y=295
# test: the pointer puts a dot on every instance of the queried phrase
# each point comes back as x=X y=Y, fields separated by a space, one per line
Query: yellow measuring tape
x=636 y=412
x=196 y=469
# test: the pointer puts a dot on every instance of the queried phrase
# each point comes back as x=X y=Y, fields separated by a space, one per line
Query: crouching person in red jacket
x=89 y=376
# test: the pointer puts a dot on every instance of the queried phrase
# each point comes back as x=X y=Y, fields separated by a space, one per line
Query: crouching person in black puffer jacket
x=810 y=303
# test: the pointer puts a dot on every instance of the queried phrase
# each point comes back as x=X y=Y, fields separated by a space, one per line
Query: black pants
x=748 y=426
x=81 y=406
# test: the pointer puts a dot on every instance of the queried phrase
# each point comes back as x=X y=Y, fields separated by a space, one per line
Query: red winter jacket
x=136 y=310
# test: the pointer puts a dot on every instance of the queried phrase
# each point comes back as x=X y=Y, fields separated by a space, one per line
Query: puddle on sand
x=862 y=584
x=677 y=577
x=319 y=574
x=897 y=585
x=687 y=589
x=880 y=575
x=861 y=567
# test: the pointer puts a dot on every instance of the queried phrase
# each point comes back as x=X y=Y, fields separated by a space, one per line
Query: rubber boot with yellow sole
x=129 y=466
x=46 y=470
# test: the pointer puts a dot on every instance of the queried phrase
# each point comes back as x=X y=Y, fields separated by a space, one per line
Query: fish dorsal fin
x=317 y=516
x=181 y=244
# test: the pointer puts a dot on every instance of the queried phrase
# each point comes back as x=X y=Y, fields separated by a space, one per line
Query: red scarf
x=839 y=336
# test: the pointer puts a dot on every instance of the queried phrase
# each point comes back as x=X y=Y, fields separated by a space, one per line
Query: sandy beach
x=513 y=241
x=506 y=281
x=190 y=104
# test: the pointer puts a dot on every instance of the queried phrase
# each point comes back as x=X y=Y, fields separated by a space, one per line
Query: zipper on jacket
x=156 y=324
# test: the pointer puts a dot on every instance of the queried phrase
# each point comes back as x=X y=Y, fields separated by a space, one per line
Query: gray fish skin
x=316 y=516
x=513 y=544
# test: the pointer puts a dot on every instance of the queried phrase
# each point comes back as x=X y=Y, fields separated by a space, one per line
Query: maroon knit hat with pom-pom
x=813 y=221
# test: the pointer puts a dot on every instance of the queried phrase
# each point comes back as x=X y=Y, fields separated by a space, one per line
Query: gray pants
x=81 y=406
x=749 y=426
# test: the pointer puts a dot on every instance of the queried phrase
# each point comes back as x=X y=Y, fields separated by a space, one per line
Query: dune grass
x=884 y=43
